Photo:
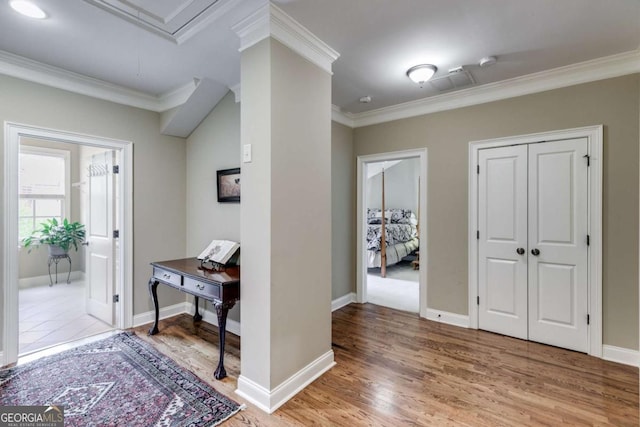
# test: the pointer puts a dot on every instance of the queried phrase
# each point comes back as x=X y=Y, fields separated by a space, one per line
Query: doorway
x=120 y=282
x=535 y=238
x=406 y=256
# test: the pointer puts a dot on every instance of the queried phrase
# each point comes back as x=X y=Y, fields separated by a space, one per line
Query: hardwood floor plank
x=396 y=369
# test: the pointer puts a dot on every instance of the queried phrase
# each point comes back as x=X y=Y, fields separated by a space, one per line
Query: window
x=43 y=187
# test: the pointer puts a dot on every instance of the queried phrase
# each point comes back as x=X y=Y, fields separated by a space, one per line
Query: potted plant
x=59 y=236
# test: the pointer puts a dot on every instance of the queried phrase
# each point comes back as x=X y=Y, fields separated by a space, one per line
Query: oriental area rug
x=118 y=381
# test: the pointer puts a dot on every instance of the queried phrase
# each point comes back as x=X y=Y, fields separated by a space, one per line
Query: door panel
x=100 y=252
x=558 y=227
x=502 y=217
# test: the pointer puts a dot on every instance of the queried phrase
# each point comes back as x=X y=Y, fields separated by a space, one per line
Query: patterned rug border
x=137 y=349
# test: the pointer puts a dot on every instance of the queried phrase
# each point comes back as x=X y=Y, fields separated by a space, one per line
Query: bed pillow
x=401 y=216
x=374 y=216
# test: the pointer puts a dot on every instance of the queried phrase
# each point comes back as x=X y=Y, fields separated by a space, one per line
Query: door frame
x=594 y=215
x=12 y=134
x=361 y=223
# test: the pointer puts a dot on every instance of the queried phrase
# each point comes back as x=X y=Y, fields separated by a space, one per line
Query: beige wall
x=613 y=103
x=34 y=263
x=343 y=211
x=159 y=176
x=285 y=213
x=214 y=145
x=301 y=212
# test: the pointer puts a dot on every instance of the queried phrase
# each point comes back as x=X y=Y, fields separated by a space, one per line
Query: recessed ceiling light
x=27 y=8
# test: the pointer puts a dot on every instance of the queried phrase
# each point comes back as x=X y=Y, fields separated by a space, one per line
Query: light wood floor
x=394 y=369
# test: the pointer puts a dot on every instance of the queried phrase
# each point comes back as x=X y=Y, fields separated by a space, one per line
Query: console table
x=222 y=288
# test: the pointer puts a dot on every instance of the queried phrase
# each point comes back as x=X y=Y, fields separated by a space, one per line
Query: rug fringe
x=240 y=408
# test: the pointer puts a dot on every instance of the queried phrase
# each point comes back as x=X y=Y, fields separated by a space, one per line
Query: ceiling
x=156 y=47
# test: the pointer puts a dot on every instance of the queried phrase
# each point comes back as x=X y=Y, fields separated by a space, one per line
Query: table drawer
x=167 y=276
x=206 y=290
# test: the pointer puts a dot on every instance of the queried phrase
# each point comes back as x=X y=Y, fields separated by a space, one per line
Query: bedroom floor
x=399 y=290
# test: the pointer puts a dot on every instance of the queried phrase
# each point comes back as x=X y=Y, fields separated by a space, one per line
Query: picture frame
x=228 y=182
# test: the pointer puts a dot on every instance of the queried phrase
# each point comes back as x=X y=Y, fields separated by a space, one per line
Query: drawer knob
x=200 y=286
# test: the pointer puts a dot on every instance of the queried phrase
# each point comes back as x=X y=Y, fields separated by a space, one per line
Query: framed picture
x=229 y=185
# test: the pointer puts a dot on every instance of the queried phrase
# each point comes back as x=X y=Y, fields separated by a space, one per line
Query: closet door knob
x=520 y=251
x=535 y=252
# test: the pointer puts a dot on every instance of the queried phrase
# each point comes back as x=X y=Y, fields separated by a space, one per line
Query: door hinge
x=478 y=234
x=116 y=298
x=116 y=234
x=116 y=169
x=588 y=240
x=588 y=319
x=478 y=300
x=588 y=157
x=478 y=169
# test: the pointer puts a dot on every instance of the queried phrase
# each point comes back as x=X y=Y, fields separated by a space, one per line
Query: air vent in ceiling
x=176 y=20
x=456 y=80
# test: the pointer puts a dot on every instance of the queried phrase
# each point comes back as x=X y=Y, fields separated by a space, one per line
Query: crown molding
x=340 y=117
x=236 y=89
x=48 y=75
x=270 y=20
x=583 y=72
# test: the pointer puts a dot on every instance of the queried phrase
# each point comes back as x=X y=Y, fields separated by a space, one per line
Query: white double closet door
x=533 y=226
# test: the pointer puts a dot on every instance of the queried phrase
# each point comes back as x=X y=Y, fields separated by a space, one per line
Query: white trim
x=595 y=142
x=48 y=75
x=343 y=118
x=270 y=20
x=37 y=281
x=621 y=355
x=343 y=301
x=453 y=319
x=211 y=317
x=164 y=313
x=186 y=307
x=237 y=91
x=270 y=400
x=13 y=133
x=582 y=72
x=361 y=226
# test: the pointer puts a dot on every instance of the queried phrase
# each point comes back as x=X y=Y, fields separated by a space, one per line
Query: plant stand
x=55 y=259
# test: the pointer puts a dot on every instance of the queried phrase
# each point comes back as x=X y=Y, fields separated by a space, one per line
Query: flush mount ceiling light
x=27 y=8
x=421 y=73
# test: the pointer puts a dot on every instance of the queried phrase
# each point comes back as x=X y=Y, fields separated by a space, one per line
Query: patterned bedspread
x=395 y=233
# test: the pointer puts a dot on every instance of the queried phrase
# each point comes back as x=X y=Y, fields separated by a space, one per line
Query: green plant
x=64 y=235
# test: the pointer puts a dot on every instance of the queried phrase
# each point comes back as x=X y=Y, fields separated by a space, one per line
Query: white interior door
x=558 y=284
x=100 y=226
x=533 y=259
x=502 y=216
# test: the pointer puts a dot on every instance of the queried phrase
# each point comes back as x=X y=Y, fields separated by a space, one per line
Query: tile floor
x=53 y=315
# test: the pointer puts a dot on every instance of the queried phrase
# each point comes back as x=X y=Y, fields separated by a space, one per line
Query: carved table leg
x=153 y=290
x=221 y=311
x=197 y=316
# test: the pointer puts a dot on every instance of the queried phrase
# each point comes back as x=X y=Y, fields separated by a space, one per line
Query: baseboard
x=269 y=401
x=36 y=281
x=3 y=362
x=454 y=319
x=621 y=355
x=343 y=301
x=165 y=312
x=208 y=316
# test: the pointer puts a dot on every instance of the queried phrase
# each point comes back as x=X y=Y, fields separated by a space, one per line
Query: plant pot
x=56 y=250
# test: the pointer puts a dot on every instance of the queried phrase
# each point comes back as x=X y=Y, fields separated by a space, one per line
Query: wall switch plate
x=246 y=153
